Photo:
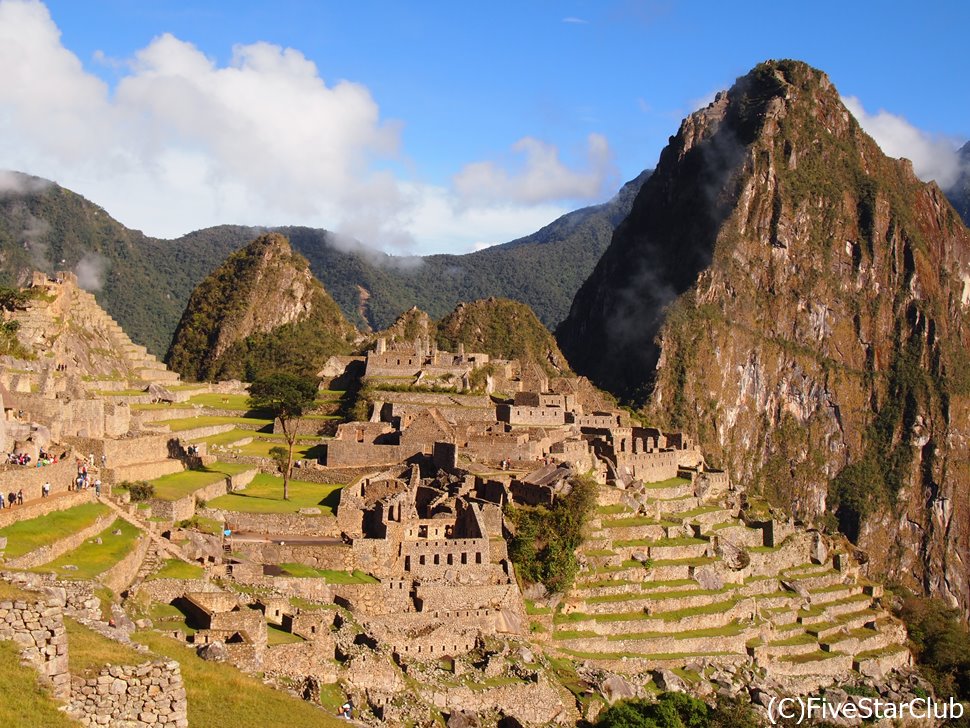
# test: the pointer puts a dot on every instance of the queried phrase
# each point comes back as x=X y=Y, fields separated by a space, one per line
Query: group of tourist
x=12 y=499
x=82 y=481
x=22 y=458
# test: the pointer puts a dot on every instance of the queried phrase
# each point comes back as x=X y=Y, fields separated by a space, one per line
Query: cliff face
x=262 y=309
x=800 y=301
x=959 y=193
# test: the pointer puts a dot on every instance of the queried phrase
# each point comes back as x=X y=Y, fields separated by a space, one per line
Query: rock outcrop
x=800 y=301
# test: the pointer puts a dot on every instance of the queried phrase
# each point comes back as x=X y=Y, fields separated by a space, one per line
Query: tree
x=287 y=397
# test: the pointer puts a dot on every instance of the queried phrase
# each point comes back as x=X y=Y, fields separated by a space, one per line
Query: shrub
x=940 y=642
x=140 y=490
x=545 y=542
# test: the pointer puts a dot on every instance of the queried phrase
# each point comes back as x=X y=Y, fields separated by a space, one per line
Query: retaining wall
x=43 y=506
x=120 y=576
x=149 y=694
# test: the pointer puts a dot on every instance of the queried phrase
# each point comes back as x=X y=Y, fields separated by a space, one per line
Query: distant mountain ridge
x=145 y=282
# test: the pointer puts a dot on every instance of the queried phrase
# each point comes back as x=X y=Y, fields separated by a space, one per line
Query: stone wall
x=32 y=479
x=343 y=453
x=149 y=694
x=184 y=508
x=321 y=556
x=50 y=552
x=120 y=576
x=43 y=506
x=280 y=524
x=432 y=558
x=298 y=660
x=38 y=629
x=168 y=590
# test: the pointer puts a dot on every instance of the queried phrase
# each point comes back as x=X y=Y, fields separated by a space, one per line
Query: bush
x=677 y=710
x=940 y=642
x=139 y=491
x=545 y=542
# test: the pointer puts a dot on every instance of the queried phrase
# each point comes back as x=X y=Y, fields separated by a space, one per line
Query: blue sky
x=461 y=124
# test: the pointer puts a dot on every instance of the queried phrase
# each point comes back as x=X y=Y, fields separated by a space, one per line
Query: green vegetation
x=332 y=576
x=263 y=496
x=26 y=536
x=545 y=542
x=677 y=710
x=178 y=485
x=501 y=328
x=178 y=569
x=287 y=397
x=278 y=636
x=221 y=696
x=25 y=703
x=181 y=424
x=90 y=651
x=268 y=277
x=940 y=643
x=91 y=558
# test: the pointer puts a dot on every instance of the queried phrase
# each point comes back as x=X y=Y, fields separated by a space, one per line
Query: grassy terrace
x=661 y=542
x=657 y=595
x=240 y=402
x=265 y=495
x=25 y=702
x=90 y=558
x=90 y=651
x=637 y=656
x=331 y=576
x=277 y=636
x=713 y=608
x=176 y=569
x=181 y=424
x=26 y=536
x=177 y=485
x=669 y=483
x=221 y=696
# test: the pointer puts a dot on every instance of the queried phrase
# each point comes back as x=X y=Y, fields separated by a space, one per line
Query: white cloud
x=571 y=20
x=542 y=176
x=934 y=157
x=183 y=142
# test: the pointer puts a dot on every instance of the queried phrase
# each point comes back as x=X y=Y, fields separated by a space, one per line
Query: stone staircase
x=656 y=589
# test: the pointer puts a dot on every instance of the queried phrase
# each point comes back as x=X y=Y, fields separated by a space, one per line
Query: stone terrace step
x=845 y=622
x=144 y=471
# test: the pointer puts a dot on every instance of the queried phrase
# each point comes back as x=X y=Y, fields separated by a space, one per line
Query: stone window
x=421 y=559
x=464 y=557
x=437 y=559
x=478 y=557
x=450 y=560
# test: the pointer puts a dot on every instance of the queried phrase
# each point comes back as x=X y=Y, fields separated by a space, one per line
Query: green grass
x=630 y=522
x=92 y=558
x=301 y=451
x=89 y=651
x=26 y=536
x=190 y=423
x=177 y=569
x=203 y=525
x=669 y=483
x=178 y=485
x=220 y=696
x=25 y=703
x=278 y=636
x=332 y=576
x=168 y=617
x=265 y=495
x=222 y=401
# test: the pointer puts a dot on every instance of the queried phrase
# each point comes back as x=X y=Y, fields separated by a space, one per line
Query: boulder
x=214 y=652
x=668 y=681
x=40 y=435
x=159 y=393
x=795 y=586
x=56 y=595
x=616 y=688
x=734 y=557
x=708 y=578
x=819 y=550
x=463 y=719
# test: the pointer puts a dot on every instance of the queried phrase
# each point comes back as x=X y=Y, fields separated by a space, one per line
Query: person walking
x=45 y=490
x=2 y=504
x=97 y=487
x=20 y=497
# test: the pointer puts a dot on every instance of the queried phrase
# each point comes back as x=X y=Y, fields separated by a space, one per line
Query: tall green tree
x=287 y=397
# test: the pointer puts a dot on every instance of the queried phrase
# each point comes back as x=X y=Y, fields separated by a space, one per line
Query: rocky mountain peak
x=799 y=300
